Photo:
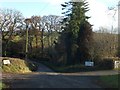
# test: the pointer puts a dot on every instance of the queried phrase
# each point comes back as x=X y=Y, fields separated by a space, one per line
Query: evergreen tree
x=84 y=41
x=73 y=22
x=74 y=16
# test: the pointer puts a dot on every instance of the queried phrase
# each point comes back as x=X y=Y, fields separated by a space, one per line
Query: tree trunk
x=42 y=43
x=36 y=39
x=69 y=49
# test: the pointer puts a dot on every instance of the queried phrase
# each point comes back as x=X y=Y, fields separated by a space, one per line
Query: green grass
x=2 y=85
x=117 y=68
x=19 y=66
x=110 y=80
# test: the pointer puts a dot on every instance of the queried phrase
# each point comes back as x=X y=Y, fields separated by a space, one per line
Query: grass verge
x=18 y=66
x=109 y=81
x=2 y=85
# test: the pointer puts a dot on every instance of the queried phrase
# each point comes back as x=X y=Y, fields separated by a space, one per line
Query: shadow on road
x=46 y=78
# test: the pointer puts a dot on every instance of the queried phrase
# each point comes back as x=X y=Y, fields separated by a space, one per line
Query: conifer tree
x=74 y=20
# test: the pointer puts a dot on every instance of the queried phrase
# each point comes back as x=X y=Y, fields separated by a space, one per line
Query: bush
x=105 y=64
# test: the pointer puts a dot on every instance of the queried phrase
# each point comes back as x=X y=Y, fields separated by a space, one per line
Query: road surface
x=46 y=78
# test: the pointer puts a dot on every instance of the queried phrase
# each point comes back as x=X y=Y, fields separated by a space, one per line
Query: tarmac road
x=46 y=78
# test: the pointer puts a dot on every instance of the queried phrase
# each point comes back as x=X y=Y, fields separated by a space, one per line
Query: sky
x=99 y=13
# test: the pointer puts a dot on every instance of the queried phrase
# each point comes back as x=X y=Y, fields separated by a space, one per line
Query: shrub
x=106 y=64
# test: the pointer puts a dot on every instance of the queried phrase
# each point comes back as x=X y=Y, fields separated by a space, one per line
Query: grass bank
x=18 y=65
x=109 y=81
x=2 y=85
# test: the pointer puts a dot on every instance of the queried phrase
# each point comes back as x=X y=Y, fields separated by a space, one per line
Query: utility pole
x=27 y=21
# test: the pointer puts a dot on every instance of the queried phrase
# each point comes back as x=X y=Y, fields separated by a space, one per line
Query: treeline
x=66 y=40
x=43 y=32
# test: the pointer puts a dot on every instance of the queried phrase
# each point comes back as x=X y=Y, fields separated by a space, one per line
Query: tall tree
x=84 y=42
x=74 y=18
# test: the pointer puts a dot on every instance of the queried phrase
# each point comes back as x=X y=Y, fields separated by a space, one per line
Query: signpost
x=6 y=62
x=116 y=64
x=89 y=63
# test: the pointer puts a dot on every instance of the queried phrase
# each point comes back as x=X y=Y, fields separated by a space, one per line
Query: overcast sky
x=100 y=15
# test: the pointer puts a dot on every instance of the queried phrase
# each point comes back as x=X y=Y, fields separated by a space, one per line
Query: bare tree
x=10 y=21
x=36 y=27
x=52 y=24
x=105 y=43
